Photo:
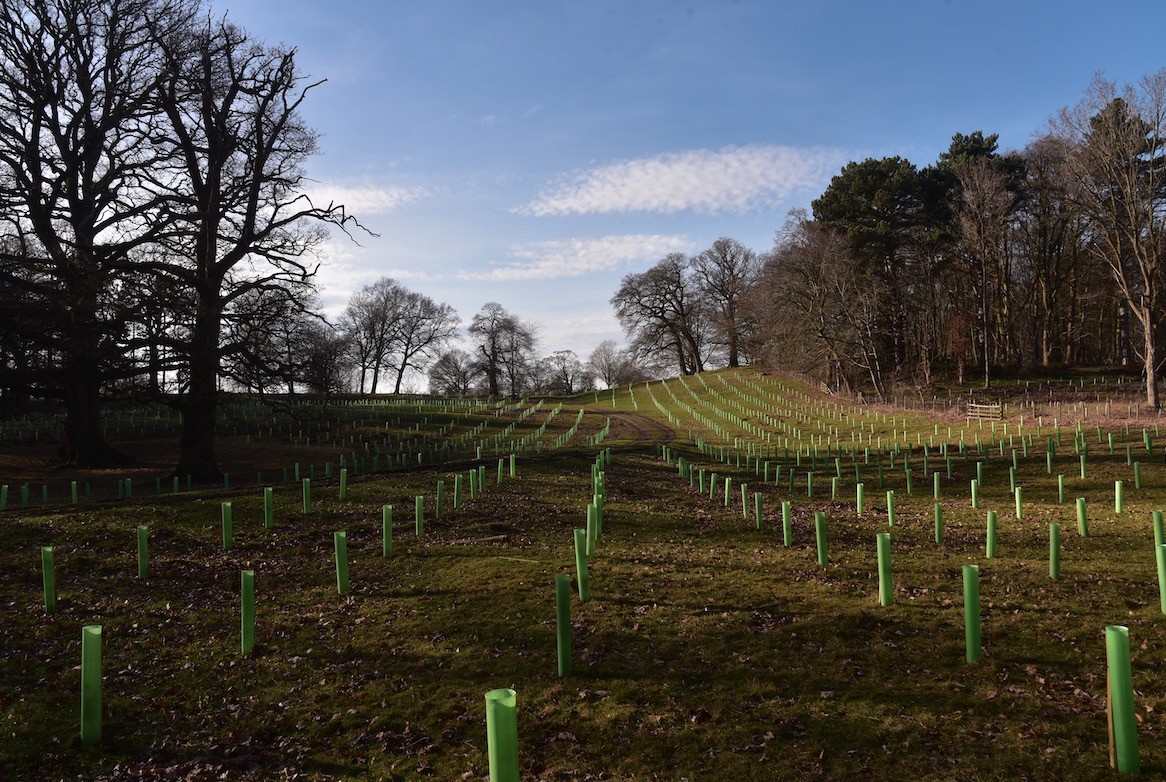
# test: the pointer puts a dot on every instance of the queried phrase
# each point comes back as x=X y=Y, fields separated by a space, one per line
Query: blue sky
x=533 y=153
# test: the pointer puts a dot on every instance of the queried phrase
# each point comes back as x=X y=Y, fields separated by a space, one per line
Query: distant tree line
x=982 y=262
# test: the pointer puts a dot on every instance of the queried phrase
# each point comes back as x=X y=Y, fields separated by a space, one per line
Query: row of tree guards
x=500 y=703
x=1120 y=704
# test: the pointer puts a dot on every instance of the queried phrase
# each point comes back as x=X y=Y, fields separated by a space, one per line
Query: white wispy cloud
x=578 y=256
x=365 y=200
x=732 y=179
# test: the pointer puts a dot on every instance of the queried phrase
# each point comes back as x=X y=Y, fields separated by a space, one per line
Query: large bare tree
x=724 y=273
x=232 y=106
x=83 y=184
x=1119 y=169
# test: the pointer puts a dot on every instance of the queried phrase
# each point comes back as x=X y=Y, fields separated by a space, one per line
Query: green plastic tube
x=938 y=522
x=1060 y=489
x=886 y=585
x=1082 y=466
x=340 y=543
x=269 y=507
x=935 y=485
x=787 y=526
x=227 y=525
x=1054 y=551
x=513 y=467
x=49 y=577
x=859 y=491
x=419 y=514
x=440 y=501
x=343 y=482
x=457 y=491
x=1159 y=537
x=728 y=491
x=502 y=735
x=592 y=530
x=1121 y=700
x=387 y=530
x=820 y=535
x=1019 y=502
x=1082 y=519
x=972 y=612
x=307 y=494
x=975 y=493
x=1160 y=561
x=90 y=685
x=1118 y=495
x=563 y=622
x=990 y=546
x=890 y=507
x=247 y=592
x=584 y=583
x=143 y=552
x=757 y=508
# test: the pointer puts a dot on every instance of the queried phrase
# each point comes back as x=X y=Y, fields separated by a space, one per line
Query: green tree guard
x=307 y=494
x=1082 y=466
x=787 y=526
x=247 y=592
x=1118 y=494
x=50 y=580
x=990 y=546
x=1082 y=519
x=563 y=622
x=340 y=543
x=90 y=685
x=143 y=552
x=1160 y=561
x=820 y=534
x=387 y=530
x=439 y=502
x=728 y=490
x=1054 y=551
x=1123 y=724
x=343 y=482
x=502 y=735
x=858 y=498
x=744 y=500
x=269 y=507
x=592 y=530
x=975 y=493
x=227 y=525
x=935 y=485
x=890 y=507
x=757 y=508
x=886 y=585
x=584 y=582
x=1019 y=503
x=972 y=612
x=938 y=522
x=1137 y=475
x=457 y=490
x=1061 y=489
x=501 y=468
x=419 y=514
x=513 y=467
x=1159 y=537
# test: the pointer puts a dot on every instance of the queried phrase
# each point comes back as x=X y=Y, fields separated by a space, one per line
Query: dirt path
x=648 y=431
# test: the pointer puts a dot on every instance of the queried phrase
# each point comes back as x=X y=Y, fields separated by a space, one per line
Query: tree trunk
x=1151 y=365
x=84 y=442
x=200 y=408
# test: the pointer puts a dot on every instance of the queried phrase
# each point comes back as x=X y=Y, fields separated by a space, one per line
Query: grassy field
x=709 y=649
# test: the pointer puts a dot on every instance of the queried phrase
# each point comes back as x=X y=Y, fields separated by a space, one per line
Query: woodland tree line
x=157 y=242
x=982 y=262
